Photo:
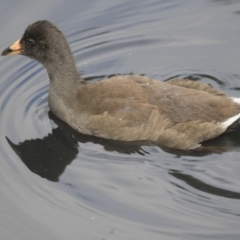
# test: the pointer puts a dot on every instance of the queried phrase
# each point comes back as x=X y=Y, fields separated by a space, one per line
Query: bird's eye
x=29 y=41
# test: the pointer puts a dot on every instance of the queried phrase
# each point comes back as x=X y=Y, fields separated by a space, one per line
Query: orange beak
x=13 y=49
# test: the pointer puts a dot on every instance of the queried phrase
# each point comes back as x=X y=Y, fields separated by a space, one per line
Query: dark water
x=57 y=184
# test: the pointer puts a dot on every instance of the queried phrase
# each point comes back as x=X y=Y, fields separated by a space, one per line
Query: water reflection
x=204 y=187
x=116 y=190
x=48 y=157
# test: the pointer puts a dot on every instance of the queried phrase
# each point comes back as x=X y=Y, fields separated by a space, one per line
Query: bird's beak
x=13 y=49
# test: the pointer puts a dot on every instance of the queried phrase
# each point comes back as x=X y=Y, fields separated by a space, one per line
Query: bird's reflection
x=202 y=186
x=48 y=157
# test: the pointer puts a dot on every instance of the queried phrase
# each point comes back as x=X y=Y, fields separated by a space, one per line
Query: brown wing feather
x=177 y=114
x=187 y=83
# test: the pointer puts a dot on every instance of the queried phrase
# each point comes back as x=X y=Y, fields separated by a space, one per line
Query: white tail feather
x=230 y=121
x=236 y=100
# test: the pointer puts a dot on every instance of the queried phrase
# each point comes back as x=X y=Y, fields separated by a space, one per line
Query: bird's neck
x=64 y=84
x=63 y=75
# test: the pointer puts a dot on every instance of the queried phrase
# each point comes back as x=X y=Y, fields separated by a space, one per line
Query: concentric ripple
x=59 y=184
x=23 y=99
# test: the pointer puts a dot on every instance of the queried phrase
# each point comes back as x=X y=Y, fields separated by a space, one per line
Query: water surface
x=58 y=184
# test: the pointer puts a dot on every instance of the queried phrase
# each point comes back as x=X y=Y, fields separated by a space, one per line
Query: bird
x=176 y=114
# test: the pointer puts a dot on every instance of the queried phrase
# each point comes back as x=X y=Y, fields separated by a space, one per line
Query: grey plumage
x=177 y=114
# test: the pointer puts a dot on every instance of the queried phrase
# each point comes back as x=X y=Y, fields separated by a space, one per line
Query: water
x=58 y=184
